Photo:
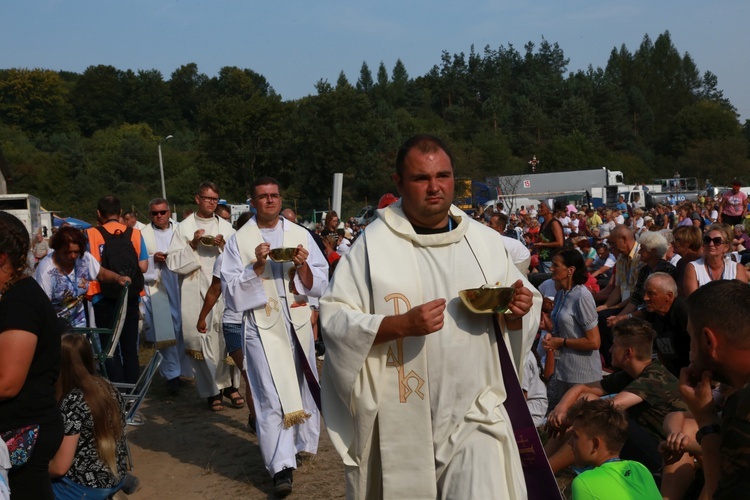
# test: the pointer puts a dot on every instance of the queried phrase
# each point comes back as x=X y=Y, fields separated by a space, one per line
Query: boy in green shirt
x=598 y=432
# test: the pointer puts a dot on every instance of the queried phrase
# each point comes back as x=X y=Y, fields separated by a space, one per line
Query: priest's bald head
x=424 y=178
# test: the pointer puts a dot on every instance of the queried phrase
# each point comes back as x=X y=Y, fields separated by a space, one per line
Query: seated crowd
x=638 y=378
x=630 y=287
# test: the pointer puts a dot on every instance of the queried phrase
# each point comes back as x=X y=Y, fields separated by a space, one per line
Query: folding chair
x=134 y=394
x=111 y=335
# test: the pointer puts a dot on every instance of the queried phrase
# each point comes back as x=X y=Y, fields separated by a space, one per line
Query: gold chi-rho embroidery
x=397 y=360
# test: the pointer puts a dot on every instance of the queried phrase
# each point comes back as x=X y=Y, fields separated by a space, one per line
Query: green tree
x=399 y=85
x=342 y=83
x=34 y=100
x=187 y=89
x=365 y=82
x=148 y=100
x=98 y=98
x=703 y=121
x=381 y=88
x=243 y=132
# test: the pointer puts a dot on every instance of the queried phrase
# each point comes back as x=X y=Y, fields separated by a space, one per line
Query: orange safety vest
x=96 y=245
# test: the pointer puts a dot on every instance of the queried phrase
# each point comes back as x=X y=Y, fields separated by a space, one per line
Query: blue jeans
x=66 y=489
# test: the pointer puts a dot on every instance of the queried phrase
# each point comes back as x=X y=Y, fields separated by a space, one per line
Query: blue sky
x=296 y=43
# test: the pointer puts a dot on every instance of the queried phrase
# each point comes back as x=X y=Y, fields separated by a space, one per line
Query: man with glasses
x=162 y=300
x=195 y=245
x=273 y=292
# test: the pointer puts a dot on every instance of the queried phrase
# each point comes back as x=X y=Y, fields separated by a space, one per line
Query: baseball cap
x=387 y=199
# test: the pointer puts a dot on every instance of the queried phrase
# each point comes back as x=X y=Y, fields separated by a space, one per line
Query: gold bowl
x=488 y=298
x=208 y=241
x=281 y=254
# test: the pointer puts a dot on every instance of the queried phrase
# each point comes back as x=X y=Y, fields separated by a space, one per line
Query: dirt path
x=184 y=451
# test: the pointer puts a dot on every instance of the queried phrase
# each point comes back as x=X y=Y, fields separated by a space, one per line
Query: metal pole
x=161 y=171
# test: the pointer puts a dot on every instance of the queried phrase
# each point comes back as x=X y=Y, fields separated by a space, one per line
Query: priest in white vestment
x=279 y=344
x=162 y=299
x=412 y=388
x=195 y=245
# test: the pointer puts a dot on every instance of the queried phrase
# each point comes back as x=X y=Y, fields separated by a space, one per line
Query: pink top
x=734 y=204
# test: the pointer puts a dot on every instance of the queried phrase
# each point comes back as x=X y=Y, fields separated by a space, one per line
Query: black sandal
x=215 y=403
x=236 y=401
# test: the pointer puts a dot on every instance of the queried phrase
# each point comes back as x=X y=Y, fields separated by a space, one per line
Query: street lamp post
x=161 y=169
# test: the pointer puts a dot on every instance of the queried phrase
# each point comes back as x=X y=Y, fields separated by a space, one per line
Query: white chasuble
x=195 y=267
x=159 y=287
x=423 y=417
x=270 y=319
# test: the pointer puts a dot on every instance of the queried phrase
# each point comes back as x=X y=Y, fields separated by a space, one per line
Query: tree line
x=71 y=137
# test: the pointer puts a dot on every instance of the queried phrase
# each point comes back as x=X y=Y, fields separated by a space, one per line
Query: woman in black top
x=29 y=361
x=551 y=238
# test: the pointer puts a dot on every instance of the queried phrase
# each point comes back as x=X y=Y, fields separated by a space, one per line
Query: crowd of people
x=624 y=348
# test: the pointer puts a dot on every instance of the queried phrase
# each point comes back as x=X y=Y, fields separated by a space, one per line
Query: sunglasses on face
x=717 y=240
x=158 y=212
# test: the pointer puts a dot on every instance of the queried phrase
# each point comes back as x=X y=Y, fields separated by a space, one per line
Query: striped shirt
x=574 y=314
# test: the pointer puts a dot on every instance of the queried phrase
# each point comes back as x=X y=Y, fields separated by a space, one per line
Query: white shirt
x=536 y=391
x=517 y=250
x=565 y=221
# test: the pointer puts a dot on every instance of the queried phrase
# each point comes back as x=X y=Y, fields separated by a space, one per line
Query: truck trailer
x=595 y=186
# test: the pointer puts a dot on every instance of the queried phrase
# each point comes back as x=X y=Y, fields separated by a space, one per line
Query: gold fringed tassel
x=163 y=344
x=197 y=355
x=229 y=361
x=295 y=418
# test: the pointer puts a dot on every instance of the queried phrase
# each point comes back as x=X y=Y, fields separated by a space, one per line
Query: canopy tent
x=71 y=221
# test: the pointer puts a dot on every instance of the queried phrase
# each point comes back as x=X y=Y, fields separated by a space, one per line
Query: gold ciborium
x=208 y=240
x=488 y=298
x=281 y=254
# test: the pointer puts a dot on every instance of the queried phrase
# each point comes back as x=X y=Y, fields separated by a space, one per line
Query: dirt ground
x=184 y=451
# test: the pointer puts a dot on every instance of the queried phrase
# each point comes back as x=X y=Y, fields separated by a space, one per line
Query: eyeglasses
x=209 y=199
x=158 y=212
x=718 y=240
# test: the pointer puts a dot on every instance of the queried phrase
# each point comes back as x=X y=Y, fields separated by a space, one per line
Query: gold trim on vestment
x=163 y=344
x=195 y=354
x=295 y=418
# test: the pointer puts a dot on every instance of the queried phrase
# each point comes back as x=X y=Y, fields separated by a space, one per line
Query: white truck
x=26 y=208
x=596 y=186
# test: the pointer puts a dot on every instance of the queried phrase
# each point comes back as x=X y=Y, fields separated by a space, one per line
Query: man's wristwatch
x=706 y=430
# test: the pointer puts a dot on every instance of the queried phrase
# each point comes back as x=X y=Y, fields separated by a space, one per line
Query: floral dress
x=67 y=291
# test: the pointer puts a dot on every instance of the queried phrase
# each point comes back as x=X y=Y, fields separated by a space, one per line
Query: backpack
x=119 y=256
